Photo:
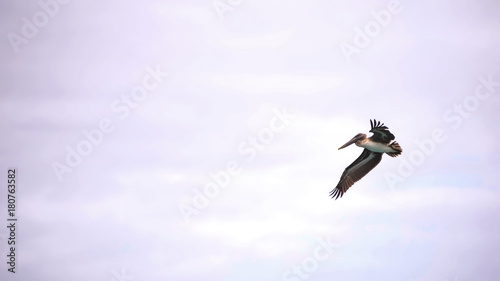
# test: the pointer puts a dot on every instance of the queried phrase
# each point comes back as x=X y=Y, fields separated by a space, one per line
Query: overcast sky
x=197 y=140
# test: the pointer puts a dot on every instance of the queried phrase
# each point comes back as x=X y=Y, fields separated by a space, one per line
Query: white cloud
x=120 y=207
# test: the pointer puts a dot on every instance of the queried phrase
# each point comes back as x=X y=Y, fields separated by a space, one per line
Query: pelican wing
x=358 y=169
x=380 y=132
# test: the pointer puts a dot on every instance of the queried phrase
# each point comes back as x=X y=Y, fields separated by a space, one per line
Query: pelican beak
x=353 y=140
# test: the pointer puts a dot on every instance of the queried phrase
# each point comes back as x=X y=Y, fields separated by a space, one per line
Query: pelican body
x=374 y=147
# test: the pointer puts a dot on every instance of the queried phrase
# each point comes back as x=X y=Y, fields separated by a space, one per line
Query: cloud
x=119 y=208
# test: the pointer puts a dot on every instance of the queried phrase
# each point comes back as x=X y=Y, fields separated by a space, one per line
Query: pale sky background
x=116 y=215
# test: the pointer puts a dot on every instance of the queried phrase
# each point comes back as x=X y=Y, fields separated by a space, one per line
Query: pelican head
x=357 y=138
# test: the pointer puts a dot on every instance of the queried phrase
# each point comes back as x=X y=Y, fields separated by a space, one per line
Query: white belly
x=377 y=147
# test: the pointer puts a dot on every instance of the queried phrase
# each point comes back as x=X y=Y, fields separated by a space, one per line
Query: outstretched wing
x=358 y=169
x=380 y=132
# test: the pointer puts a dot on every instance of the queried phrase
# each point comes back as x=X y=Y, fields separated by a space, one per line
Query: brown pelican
x=374 y=147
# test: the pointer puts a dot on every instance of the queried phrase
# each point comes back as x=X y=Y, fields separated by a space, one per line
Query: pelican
x=374 y=147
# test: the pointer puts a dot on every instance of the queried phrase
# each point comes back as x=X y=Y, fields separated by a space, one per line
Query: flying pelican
x=374 y=147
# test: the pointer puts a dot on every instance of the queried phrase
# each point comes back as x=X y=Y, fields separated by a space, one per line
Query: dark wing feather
x=358 y=169
x=380 y=132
